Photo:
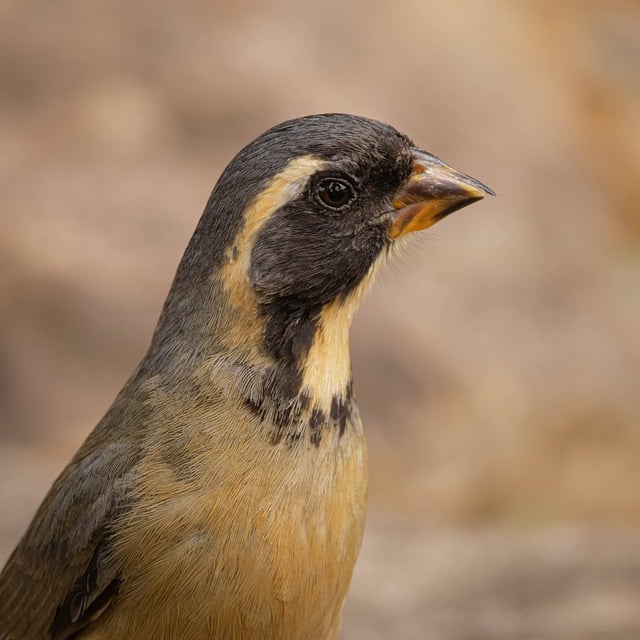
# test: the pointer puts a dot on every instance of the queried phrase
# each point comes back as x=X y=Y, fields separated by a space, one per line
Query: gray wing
x=60 y=577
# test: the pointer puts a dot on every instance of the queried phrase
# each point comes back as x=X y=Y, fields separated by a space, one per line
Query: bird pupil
x=334 y=193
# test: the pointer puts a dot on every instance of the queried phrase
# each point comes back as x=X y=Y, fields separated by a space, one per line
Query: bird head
x=289 y=241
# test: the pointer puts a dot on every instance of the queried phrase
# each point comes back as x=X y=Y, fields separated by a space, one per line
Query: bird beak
x=432 y=192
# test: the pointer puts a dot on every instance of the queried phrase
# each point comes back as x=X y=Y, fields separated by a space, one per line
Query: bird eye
x=334 y=193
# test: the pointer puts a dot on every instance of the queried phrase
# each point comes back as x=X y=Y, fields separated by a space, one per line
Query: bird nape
x=223 y=494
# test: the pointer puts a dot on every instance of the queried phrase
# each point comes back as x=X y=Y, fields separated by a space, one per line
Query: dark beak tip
x=490 y=192
x=480 y=187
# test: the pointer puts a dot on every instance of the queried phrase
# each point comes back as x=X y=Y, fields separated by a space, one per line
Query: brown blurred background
x=498 y=368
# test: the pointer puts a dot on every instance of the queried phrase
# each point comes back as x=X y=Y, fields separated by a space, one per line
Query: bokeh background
x=497 y=367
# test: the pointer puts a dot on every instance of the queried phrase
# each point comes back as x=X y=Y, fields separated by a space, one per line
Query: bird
x=223 y=494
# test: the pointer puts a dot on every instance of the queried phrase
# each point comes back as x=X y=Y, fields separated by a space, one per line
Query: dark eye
x=334 y=193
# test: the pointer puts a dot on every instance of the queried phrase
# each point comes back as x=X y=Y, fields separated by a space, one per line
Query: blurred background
x=497 y=367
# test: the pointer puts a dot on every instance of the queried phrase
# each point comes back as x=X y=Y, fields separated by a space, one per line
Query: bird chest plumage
x=260 y=544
